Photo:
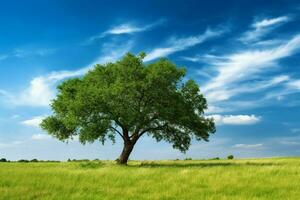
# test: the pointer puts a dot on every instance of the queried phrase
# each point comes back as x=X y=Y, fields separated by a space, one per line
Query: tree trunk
x=127 y=149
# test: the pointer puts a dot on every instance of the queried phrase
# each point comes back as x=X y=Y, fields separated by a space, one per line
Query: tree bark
x=127 y=149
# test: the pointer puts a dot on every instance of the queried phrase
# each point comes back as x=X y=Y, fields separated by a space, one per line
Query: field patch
x=276 y=178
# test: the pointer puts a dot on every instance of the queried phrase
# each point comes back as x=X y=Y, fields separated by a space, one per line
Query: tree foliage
x=129 y=98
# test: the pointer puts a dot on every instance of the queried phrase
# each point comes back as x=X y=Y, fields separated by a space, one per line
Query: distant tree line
x=26 y=161
x=230 y=157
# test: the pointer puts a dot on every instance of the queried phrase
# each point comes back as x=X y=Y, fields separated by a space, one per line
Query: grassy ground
x=277 y=178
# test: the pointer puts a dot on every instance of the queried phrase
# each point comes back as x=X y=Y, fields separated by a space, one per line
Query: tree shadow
x=202 y=164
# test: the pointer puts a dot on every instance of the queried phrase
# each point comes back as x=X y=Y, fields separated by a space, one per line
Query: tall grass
x=219 y=179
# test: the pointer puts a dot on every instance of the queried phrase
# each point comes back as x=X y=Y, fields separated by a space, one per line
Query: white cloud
x=175 y=44
x=294 y=84
x=290 y=143
x=40 y=137
x=35 y=121
x=41 y=89
x=37 y=94
x=270 y=22
x=206 y=58
x=226 y=93
x=191 y=59
x=215 y=109
x=248 y=146
x=126 y=28
x=130 y=28
x=235 y=119
x=263 y=27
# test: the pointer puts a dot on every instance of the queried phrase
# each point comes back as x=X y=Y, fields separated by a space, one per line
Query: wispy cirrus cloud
x=126 y=28
x=19 y=53
x=10 y=144
x=25 y=142
x=290 y=87
x=294 y=84
x=27 y=52
x=295 y=130
x=263 y=27
x=3 y=56
x=249 y=146
x=129 y=28
x=271 y=22
x=239 y=72
x=179 y=44
x=226 y=93
x=206 y=58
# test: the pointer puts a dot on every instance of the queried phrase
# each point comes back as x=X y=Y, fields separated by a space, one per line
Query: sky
x=243 y=54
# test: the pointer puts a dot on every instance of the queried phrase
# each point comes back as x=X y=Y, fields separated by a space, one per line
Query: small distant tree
x=3 y=160
x=23 y=161
x=130 y=99
x=230 y=157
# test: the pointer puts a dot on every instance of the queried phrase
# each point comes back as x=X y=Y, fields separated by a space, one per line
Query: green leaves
x=130 y=98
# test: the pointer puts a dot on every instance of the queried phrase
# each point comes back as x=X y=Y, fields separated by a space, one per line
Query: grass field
x=276 y=178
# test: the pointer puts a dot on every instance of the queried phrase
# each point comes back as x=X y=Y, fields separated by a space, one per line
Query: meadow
x=272 y=178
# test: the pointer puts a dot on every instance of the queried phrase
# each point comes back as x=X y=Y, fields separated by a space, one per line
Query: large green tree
x=130 y=98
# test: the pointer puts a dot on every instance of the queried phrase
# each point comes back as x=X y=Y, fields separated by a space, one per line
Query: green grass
x=276 y=178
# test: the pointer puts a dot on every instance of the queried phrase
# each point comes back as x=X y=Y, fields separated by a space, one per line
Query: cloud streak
x=40 y=136
x=33 y=122
x=263 y=27
x=248 y=146
x=22 y=53
x=126 y=28
x=180 y=44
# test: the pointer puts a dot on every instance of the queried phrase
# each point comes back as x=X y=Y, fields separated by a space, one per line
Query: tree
x=130 y=99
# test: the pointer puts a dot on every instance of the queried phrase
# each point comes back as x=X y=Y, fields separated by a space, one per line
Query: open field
x=276 y=178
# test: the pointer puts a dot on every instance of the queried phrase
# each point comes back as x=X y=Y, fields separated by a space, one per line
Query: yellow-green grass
x=274 y=178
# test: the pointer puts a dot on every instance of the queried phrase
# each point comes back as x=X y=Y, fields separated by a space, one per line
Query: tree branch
x=116 y=130
x=145 y=122
x=151 y=129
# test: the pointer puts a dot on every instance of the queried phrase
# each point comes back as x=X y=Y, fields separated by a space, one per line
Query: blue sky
x=243 y=54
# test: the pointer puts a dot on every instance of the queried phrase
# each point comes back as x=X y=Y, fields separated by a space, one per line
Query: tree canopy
x=130 y=98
